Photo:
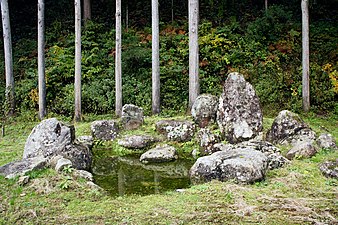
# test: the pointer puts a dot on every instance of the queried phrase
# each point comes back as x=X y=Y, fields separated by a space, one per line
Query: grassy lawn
x=295 y=194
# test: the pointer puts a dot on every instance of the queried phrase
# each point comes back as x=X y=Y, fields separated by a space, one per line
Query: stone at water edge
x=132 y=117
x=239 y=115
x=241 y=165
x=137 y=141
x=162 y=153
x=47 y=138
x=105 y=130
x=204 y=110
x=207 y=140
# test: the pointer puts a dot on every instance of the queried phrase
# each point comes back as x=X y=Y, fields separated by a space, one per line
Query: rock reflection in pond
x=127 y=175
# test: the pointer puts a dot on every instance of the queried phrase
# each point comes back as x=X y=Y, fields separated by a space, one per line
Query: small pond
x=127 y=175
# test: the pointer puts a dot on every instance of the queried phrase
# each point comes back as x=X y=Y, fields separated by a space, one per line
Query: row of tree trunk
x=193 y=56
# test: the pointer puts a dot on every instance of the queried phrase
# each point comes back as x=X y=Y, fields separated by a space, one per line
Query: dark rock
x=239 y=114
x=302 y=150
x=204 y=110
x=86 y=140
x=288 y=129
x=80 y=156
x=329 y=169
x=207 y=140
x=162 y=153
x=105 y=130
x=21 y=167
x=132 y=117
x=327 y=141
x=137 y=141
x=48 y=137
x=241 y=165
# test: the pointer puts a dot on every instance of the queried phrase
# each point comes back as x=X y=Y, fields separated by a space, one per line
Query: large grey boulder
x=329 y=169
x=204 y=110
x=239 y=115
x=241 y=165
x=48 y=137
x=132 y=117
x=275 y=158
x=23 y=166
x=105 y=130
x=137 y=141
x=289 y=129
x=175 y=130
x=302 y=150
x=207 y=140
x=52 y=138
x=327 y=141
x=162 y=153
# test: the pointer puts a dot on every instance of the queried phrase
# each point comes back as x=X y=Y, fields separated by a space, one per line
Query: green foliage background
x=264 y=46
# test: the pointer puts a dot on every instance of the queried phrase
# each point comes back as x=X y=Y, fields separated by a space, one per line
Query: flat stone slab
x=137 y=141
x=162 y=153
x=21 y=167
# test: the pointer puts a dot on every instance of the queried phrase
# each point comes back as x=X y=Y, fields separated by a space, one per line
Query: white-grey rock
x=62 y=163
x=239 y=115
x=241 y=165
x=302 y=150
x=204 y=110
x=47 y=138
x=181 y=133
x=83 y=174
x=23 y=166
x=289 y=129
x=23 y=180
x=162 y=153
x=137 y=141
x=207 y=140
x=132 y=117
x=105 y=130
x=327 y=141
x=329 y=169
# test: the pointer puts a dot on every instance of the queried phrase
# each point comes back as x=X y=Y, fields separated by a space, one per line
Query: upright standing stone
x=204 y=110
x=132 y=117
x=239 y=114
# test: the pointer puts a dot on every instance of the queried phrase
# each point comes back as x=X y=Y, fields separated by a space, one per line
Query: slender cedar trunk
x=6 y=27
x=127 y=15
x=87 y=11
x=193 y=51
x=172 y=11
x=155 y=59
x=266 y=5
x=41 y=59
x=305 y=56
x=118 y=68
x=78 y=115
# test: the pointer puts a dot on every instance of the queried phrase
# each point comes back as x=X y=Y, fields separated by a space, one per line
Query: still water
x=127 y=175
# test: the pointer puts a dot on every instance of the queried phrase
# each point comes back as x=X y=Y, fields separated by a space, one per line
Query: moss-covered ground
x=295 y=194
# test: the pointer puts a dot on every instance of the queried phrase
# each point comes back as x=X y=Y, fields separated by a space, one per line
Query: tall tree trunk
x=172 y=11
x=6 y=27
x=87 y=11
x=155 y=58
x=78 y=115
x=305 y=56
x=266 y=5
x=193 y=51
x=118 y=67
x=127 y=15
x=41 y=59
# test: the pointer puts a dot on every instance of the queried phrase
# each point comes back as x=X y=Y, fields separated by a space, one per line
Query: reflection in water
x=127 y=175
